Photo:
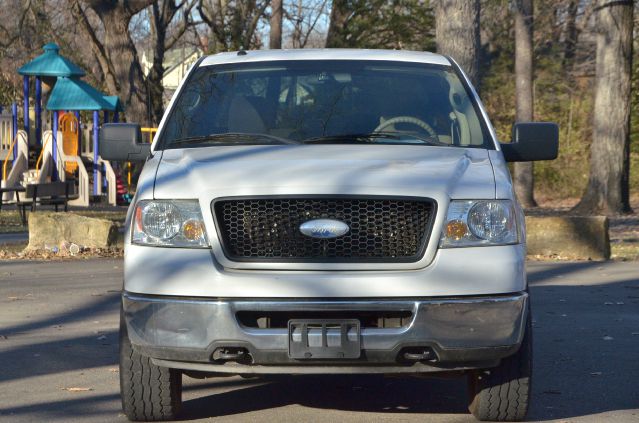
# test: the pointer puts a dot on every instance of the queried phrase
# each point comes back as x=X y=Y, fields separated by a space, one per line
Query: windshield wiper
x=351 y=138
x=233 y=138
x=371 y=138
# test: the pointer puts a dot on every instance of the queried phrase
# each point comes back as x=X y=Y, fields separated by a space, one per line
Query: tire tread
x=503 y=393
x=149 y=392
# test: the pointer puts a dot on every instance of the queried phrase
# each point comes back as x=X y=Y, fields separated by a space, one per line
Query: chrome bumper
x=463 y=332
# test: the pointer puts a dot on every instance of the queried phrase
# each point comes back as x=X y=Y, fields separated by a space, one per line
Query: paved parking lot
x=58 y=351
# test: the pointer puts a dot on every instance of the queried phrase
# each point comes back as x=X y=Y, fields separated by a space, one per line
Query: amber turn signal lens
x=456 y=229
x=193 y=230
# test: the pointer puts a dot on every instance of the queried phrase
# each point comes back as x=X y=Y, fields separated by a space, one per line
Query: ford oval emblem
x=324 y=228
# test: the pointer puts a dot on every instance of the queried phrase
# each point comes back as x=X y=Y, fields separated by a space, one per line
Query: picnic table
x=48 y=193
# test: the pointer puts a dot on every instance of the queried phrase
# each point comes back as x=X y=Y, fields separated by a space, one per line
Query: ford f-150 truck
x=326 y=212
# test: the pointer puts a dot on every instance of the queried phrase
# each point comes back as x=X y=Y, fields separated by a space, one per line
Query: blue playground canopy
x=74 y=94
x=115 y=103
x=50 y=63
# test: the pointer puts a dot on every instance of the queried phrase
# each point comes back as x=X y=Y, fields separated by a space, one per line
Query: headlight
x=169 y=223
x=480 y=222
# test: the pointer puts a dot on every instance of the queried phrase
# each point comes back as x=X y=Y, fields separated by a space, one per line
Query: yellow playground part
x=6 y=159
x=68 y=125
x=151 y=132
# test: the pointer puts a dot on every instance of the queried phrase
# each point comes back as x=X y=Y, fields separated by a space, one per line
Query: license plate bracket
x=313 y=339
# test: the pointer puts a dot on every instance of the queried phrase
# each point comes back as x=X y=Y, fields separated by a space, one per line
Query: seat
x=244 y=116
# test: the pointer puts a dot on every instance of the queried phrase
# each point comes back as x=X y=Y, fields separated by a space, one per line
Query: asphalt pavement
x=58 y=356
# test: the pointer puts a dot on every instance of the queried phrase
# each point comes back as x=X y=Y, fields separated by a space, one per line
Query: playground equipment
x=20 y=146
x=64 y=149
x=46 y=68
x=70 y=129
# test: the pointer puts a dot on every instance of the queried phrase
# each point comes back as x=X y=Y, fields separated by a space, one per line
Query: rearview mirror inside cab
x=123 y=142
x=532 y=141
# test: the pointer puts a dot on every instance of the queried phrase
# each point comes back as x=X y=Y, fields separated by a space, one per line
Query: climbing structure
x=60 y=153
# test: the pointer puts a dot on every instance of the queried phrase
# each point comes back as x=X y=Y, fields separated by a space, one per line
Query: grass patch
x=10 y=221
x=624 y=251
x=13 y=248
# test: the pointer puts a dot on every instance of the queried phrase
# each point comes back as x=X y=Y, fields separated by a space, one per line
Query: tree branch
x=182 y=26
x=96 y=45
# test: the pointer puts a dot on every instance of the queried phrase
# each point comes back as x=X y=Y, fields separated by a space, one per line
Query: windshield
x=324 y=101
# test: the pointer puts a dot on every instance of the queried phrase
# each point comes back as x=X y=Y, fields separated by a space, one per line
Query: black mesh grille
x=267 y=229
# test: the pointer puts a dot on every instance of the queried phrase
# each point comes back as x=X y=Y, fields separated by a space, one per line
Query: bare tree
x=397 y=24
x=233 y=23
x=304 y=17
x=608 y=184
x=523 y=172
x=571 y=33
x=170 y=20
x=340 y=14
x=457 y=33
x=115 y=51
x=275 y=36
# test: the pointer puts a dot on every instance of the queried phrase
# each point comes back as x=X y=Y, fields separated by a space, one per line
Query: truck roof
x=325 y=54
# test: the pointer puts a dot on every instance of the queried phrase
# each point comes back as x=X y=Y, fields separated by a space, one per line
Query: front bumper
x=462 y=332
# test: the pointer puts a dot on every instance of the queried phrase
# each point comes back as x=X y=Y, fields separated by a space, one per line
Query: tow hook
x=238 y=354
x=418 y=354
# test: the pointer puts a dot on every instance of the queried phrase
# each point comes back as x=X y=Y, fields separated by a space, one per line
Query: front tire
x=503 y=393
x=149 y=392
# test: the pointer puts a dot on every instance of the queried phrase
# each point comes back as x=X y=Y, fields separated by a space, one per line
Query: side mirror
x=123 y=142
x=532 y=141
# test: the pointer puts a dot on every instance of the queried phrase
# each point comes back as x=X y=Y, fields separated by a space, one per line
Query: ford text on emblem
x=324 y=228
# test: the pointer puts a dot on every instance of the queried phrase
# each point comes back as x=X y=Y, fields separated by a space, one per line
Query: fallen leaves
x=20 y=298
x=114 y=252
x=77 y=389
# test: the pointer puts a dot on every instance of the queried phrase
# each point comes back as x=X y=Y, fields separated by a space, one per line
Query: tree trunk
x=457 y=34
x=571 y=34
x=117 y=54
x=608 y=191
x=339 y=16
x=156 y=73
x=163 y=13
x=523 y=171
x=275 y=41
x=128 y=72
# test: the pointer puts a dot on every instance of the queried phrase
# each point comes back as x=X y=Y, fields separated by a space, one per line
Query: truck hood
x=406 y=170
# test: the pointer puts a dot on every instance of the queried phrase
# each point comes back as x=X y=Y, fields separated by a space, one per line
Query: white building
x=176 y=63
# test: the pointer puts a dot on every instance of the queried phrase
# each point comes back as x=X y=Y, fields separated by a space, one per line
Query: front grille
x=267 y=229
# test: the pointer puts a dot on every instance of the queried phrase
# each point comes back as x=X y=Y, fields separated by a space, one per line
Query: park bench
x=47 y=194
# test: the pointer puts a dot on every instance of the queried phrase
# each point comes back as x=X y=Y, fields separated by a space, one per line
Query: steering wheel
x=408 y=119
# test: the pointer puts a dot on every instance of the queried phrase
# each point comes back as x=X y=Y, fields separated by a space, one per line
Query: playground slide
x=111 y=181
x=20 y=165
x=83 y=175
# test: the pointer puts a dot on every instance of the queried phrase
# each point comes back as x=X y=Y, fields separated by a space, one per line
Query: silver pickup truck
x=325 y=212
